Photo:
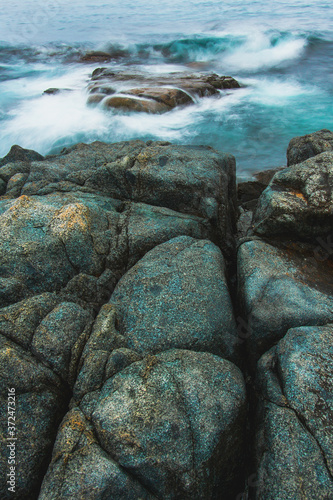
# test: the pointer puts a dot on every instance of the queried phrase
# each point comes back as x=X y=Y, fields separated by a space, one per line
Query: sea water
x=280 y=52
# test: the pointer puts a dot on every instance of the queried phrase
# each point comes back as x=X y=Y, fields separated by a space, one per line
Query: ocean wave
x=248 y=51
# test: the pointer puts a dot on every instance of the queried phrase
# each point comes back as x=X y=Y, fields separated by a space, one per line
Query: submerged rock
x=96 y=56
x=158 y=94
x=294 y=421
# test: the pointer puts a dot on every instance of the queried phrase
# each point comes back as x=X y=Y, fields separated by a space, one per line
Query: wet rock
x=265 y=176
x=294 y=434
x=281 y=288
x=177 y=296
x=248 y=192
x=174 y=421
x=96 y=56
x=133 y=104
x=306 y=146
x=51 y=91
x=298 y=202
x=95 y=98
x=17 y=153
x=169 y=92
x=168 y=96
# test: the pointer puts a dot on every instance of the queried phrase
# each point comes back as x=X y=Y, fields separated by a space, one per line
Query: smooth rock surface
x=77 y=449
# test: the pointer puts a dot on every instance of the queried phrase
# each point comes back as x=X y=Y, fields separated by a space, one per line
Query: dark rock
x=177 y=297
x=249 y=191
x=298 y=202
x=3 y=187
x=281 y=288
x=175 y=421
x=168 y=96
x=306 y=146
x=295 y=433
x=96 y=56
x=40 y=402
x=51 y=91
x=95 y=98
x=17 y=153
x=77 y=449
x=265 y=176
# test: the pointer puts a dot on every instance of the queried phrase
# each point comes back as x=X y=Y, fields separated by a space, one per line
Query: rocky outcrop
x=307 y=146
x=73 y=226
x=298 y=202
x=285 y=292
x=122 y=335
x=173 y=421
x=153 y=95
x=281 y=287
x=295 y=433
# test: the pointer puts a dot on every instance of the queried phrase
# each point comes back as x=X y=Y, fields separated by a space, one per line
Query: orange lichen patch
x=299 y=195
x=21 y=203
x=71 y=217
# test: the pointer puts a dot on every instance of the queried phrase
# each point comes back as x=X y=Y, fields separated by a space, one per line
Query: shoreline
x=163 y=334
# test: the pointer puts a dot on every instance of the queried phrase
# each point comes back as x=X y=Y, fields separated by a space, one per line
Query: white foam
x=259 y=53
x=41 y=122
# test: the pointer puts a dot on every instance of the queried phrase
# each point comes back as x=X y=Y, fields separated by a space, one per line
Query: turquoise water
x=282 y=55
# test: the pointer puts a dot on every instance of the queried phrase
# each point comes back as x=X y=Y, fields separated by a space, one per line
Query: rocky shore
x=166 y=334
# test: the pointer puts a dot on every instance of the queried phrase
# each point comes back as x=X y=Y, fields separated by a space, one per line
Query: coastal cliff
x=164 y=338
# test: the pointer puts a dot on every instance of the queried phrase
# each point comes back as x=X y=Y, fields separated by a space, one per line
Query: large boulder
x=306 y=146
x=195 y=181
x=72 y=225
x=173 y=422
x=281 y=288
x=177 y=296
x=298 y=203
x=294 y=422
